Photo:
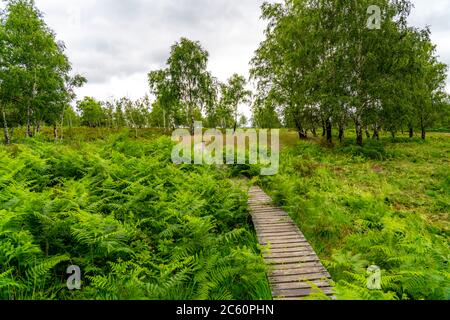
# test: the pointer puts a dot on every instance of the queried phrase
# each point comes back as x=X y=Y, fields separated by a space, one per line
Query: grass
x=385 y=204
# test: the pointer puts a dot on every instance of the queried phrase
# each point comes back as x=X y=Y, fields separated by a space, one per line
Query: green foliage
x=185 y=89
x=385 y=204
x=34 y=70
x=91 y=112
x=138 y=226
x=372 y=150
x=319 y=66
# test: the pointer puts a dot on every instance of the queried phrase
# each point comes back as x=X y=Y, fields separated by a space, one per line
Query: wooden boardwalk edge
x=294 y=267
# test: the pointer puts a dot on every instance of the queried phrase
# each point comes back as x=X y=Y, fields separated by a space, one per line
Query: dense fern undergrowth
x=386 y=204
x=138 y=226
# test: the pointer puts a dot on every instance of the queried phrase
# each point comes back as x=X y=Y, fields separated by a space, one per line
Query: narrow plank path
x=293 y=264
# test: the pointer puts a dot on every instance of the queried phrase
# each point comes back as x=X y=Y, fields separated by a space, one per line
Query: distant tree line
x=36 y=86
x=322 y=67
x=183 y=93
x=319 y=68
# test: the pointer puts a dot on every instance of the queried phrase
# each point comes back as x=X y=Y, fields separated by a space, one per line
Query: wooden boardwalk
x=292 y=261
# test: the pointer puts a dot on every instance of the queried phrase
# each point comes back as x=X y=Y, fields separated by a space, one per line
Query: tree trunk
x=192 y=128
x=341 y=133
x=28 y=131
x=411 y=132
x=324 y=129
x=359 y=132
x=55 y=133
x=235 y=119
x=422 y=127
x=62 y=126
x=367 y=132
x=5 y=127
x=302 y=134
x=314 y=131
x=376 y=133
x=329 y=126
x=164 y=119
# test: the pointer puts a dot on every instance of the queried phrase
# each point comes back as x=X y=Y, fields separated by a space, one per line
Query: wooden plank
x=300 y=293
x=299 y=285
x=284 y=235
x=270 y=221
x=310 y=258
x=298 y=271
x=299 y=278
x=272 y=255
x=269 y=213
x=273 y=236
x=282 y=241
x=288 y=250
x=269 y=217
x=287 y=230
x=278 y=246
x=273 y=240
x=277 y=227
x=266 y=208
x=280 y=227
x=281 y=232
x=277 y=224
x=293 y=264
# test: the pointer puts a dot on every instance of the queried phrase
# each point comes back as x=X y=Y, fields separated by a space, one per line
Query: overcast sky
x=115 y=43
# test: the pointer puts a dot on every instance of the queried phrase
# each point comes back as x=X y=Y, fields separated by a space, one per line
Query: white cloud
x=115 y=43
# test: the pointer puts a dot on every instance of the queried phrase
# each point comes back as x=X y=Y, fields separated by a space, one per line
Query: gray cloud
x=115 y=42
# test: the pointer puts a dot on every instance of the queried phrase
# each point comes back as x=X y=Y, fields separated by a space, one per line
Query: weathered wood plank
x=284 y=235
x=272 y=255
x=287 y=250
x=299 y=278
x=278 y=230
x=298 y=271
x=293 y=264
x=279 y=246
x=278 y=224
x=310 y=258
x=283 y=241
x=296 y=285
x=300 y=293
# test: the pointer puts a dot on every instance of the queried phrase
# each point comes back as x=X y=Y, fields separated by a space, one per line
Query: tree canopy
x=322 y=65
